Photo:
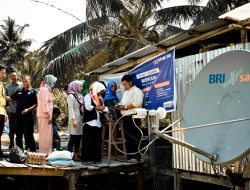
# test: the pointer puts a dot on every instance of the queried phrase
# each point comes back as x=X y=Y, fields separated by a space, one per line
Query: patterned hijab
x=110 y=95
x=94 y=89
x=74 y=88
x=85 y=87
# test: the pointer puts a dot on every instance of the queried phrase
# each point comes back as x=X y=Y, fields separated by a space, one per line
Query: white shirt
x=132 y=96
x=89 y=107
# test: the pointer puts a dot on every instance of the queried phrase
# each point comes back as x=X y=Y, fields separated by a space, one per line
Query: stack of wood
x=36 y=158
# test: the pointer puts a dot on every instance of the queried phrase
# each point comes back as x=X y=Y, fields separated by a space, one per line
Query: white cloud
x=45 y=21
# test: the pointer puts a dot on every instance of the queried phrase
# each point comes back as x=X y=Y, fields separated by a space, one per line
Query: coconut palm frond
x=152 y=3
x=185 y=13
x=223 y=6
x=74 y=59
x=63 y=42
x=23 y=43
x=22 y=28
x=169 y=31
x=12 y=47
x=194 y=2
x=103 y=8
x=97 y=60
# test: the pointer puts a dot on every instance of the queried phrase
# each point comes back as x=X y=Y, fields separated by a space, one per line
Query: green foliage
x=122 y=27
x=12 y=47
x=97 y=60
x=59 y=101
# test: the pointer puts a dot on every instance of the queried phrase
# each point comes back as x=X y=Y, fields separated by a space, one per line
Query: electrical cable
x=118 y=149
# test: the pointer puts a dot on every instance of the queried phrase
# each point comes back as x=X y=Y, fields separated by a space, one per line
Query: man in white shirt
x=132 y=98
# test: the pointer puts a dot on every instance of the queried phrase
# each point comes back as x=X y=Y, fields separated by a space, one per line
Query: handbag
x=17 y=155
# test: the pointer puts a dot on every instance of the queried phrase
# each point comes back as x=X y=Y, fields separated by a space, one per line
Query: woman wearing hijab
x=44 y=113
x=92 y=132
x=111 y=100
x=75 y=109
x=85 y=87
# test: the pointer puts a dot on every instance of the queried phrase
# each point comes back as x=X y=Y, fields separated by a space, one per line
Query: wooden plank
x=177 y=181
x=8 y=164
x=166 y=171
x=204 y=36
x=218 y=180
x=20 y=165
x=105 y=170
x=72 y=181
x=140 y=179
x=31 y=171
x=247 y=185
x=246 y=172
x=34 y=166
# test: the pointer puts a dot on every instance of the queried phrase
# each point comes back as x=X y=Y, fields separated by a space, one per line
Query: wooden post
x=247 y=184
x=246 y=176
x=49 y=183
x=71 y=178
x=151 y=148
x=243 y=36
x=177 y=180
x=140 y=179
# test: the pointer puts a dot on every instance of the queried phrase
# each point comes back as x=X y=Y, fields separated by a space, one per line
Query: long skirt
x=45 y=135
x=91 y=143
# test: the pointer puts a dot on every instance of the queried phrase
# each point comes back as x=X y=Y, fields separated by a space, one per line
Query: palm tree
x=126 y=25
x=32 y=65
x=12 y=47
x=198 y=14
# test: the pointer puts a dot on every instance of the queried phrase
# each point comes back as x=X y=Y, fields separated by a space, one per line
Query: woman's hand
x=5 y=118
x=50 y=119
x=25 y=111
x=74 y=124
x=100 y=108
x=122 y=107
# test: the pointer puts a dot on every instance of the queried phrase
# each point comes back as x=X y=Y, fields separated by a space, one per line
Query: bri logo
x=216 y=78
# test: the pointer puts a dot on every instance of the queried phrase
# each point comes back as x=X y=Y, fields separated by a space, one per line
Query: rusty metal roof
x=135 y=55
x=171 y=41
x=125 y=59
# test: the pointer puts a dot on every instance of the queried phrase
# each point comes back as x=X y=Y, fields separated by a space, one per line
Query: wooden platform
x=72 y=173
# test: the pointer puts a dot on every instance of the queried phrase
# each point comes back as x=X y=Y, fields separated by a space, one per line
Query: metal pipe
x=190 y=146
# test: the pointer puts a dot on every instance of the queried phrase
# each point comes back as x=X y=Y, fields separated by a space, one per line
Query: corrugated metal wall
x=186 y=69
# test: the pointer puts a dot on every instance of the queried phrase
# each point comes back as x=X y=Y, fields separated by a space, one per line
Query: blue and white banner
x=156 y=78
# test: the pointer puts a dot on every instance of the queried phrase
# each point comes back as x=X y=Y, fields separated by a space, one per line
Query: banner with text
x=156 y=78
